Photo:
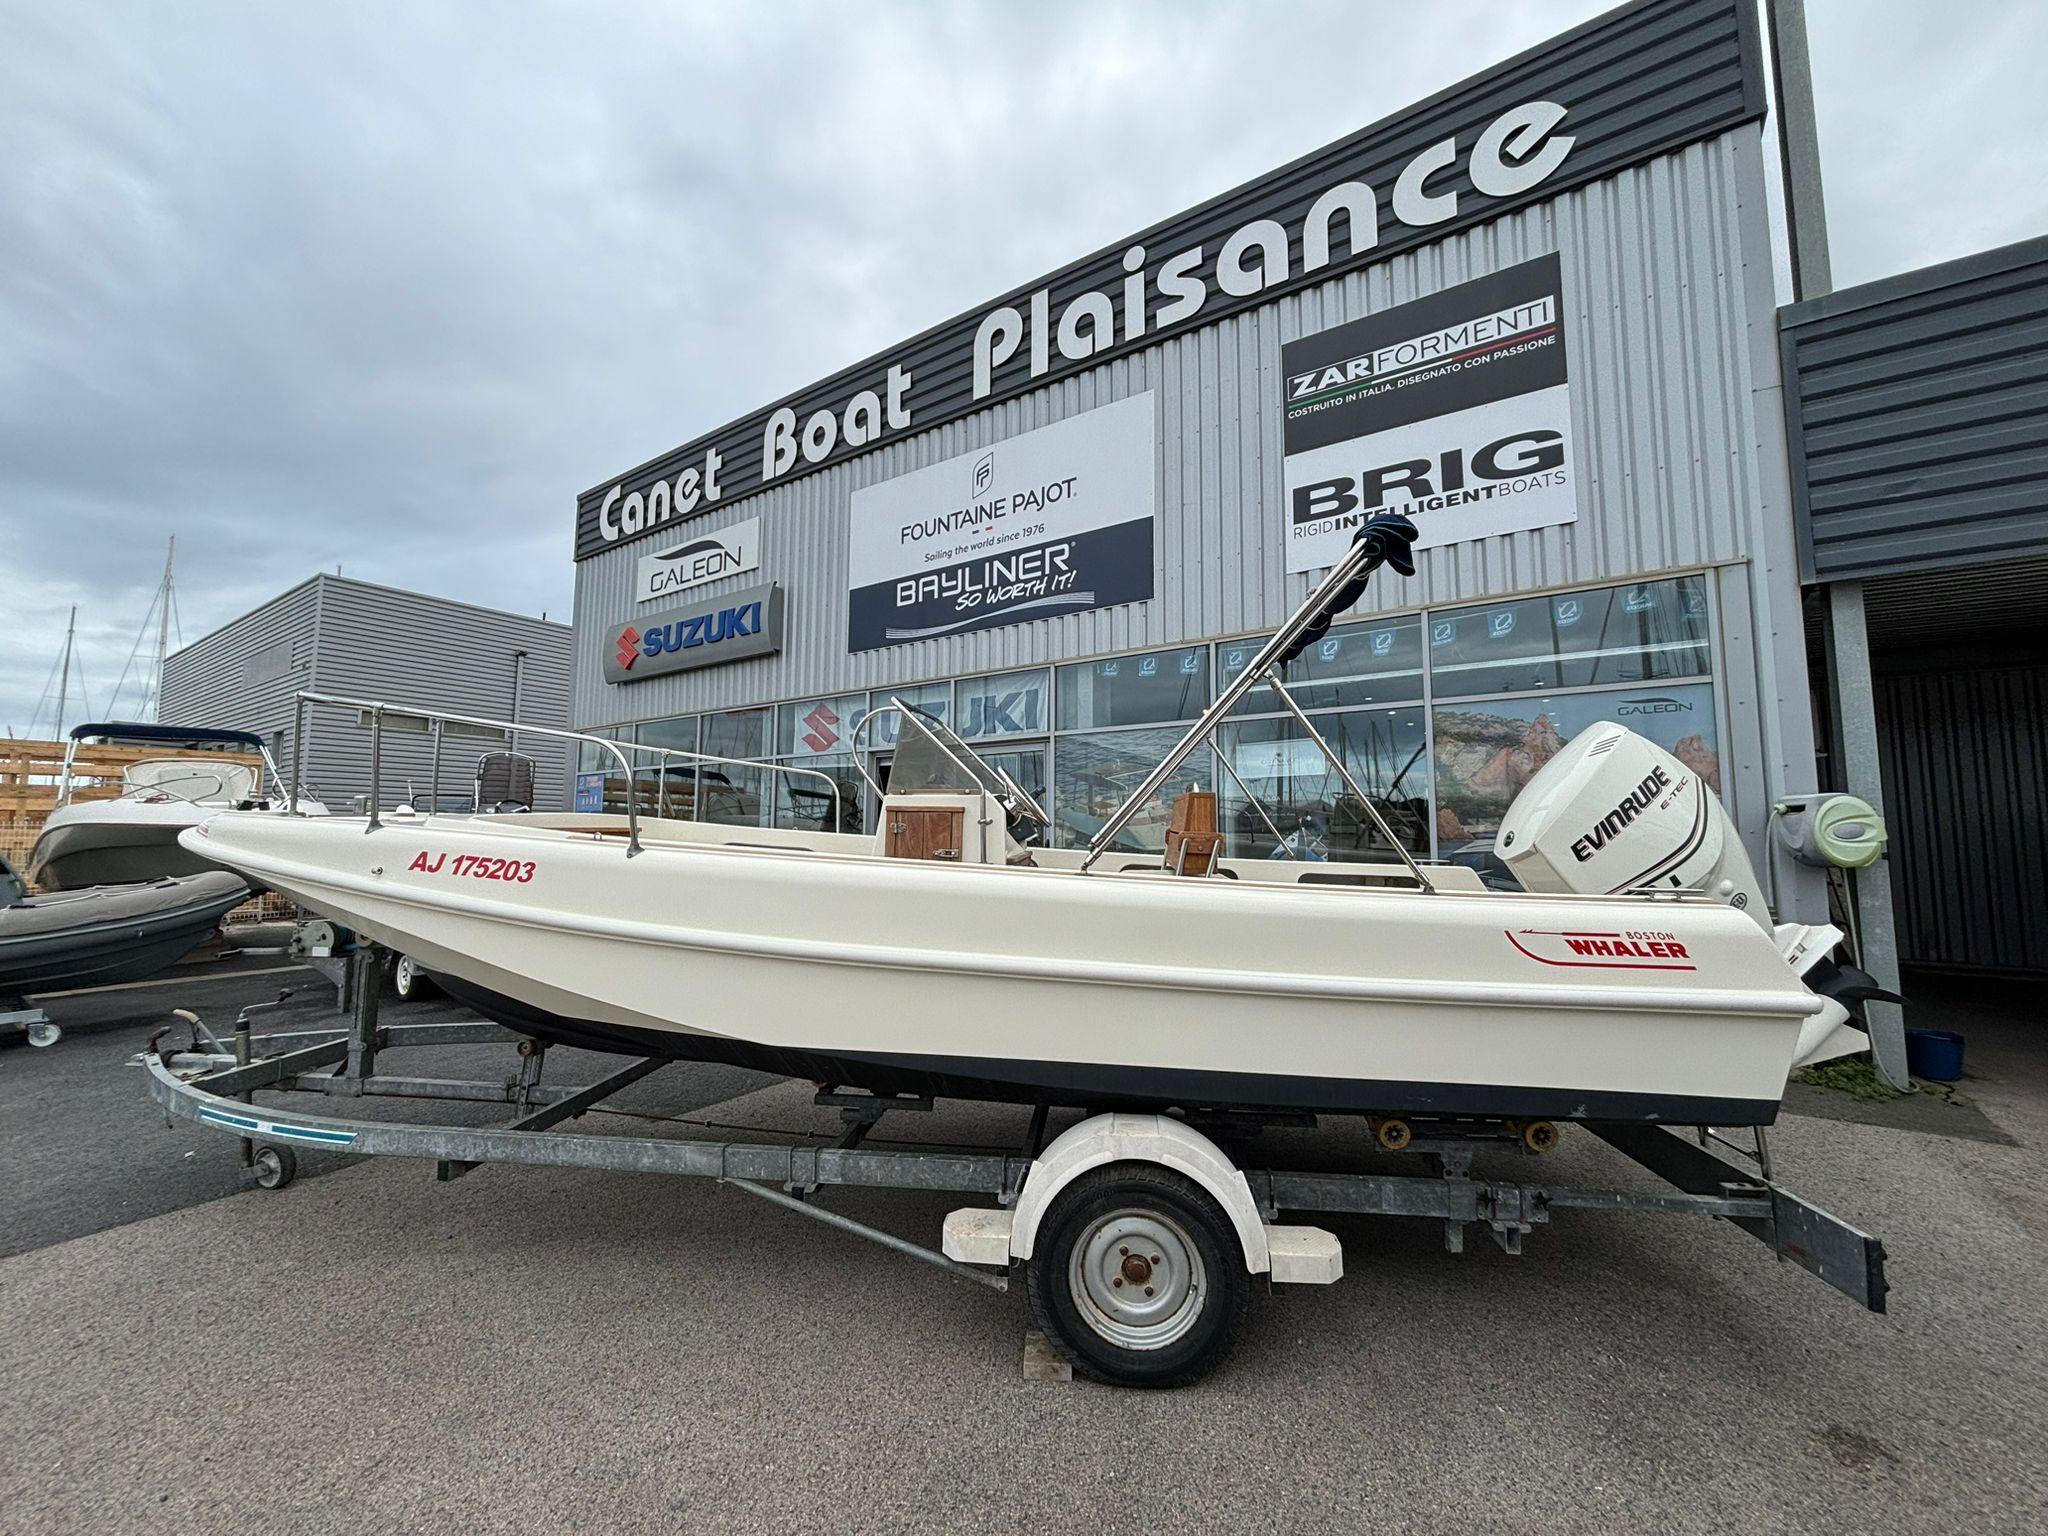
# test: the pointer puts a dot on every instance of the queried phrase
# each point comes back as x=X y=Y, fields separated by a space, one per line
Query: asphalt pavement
x=536 y=1350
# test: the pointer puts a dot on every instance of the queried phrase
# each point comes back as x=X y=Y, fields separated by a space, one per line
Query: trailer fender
x=1138 y=1139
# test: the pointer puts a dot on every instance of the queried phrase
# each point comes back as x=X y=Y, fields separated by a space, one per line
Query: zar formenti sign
x=1623 y=89
x=1454 y=410
x=1052 y=521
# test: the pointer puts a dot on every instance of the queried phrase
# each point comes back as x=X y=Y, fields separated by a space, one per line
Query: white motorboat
x=133 y=836
x=1636 y=977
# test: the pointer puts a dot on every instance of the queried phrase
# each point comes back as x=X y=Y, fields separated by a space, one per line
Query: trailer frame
x=213 y=1082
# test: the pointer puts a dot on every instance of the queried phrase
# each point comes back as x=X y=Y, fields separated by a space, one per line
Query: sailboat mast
x=64 y=675
x=163 y=624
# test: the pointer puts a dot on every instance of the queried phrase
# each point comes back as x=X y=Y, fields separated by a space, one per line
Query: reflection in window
x=805 y=802
x=1374 y=663
x=1007 y=704
x=1637 y=633
x=815 y=727
x=729 y=792
x=1486 y=753
x=1134 y=690
x=1097 y=775
x=935 y=699
x=1309 y=805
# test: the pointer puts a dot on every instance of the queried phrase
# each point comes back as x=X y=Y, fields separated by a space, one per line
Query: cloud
x=386 y=285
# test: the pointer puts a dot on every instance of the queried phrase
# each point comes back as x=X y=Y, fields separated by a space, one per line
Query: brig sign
x=1453 y=410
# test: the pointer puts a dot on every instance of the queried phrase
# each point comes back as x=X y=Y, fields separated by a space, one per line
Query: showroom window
x=1638 y=633
x=728 y=792
x=806 y=802
x=1096 y=773
x=1006 y=704
x=668 y=786
x=935 y=699
x=1134 y=690
x=1375 y=663
x=1313 y=813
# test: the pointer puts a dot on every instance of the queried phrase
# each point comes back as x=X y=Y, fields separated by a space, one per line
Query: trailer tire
x=1138 y=1278
x=408 y=981
x=275 y=1167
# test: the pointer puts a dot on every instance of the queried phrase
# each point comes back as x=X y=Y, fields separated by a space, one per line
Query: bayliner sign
x=724 y=552
x=730 y=627
x=1453 y=410
x=1582 y=107
x=1048 y=522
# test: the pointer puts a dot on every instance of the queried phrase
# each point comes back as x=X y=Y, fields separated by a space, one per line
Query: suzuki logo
x=629 y=647
x=984 y=472
x=820 y=735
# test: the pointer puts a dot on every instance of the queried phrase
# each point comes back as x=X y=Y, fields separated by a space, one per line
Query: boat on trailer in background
x=133 y=836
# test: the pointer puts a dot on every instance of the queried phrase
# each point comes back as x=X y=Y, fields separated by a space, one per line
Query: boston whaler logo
x=1602 y=949
x=1633 y=804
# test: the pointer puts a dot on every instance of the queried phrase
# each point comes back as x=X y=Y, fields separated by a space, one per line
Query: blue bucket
x=1935 y=1054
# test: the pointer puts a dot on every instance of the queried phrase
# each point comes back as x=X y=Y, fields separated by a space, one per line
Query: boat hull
x=1044 y=985
x=1099 y=1085
x=124 y=933
x=78 y=855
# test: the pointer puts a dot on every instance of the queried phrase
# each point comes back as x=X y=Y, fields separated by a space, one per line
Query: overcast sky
x=385 y=285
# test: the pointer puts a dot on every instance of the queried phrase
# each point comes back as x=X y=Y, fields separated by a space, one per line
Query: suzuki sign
x=730 y=627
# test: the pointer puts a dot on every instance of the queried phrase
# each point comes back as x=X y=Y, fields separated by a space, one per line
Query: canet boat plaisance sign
x=1539 y=124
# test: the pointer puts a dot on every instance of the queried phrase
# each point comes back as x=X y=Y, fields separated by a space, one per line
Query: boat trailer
x=1188 y=1225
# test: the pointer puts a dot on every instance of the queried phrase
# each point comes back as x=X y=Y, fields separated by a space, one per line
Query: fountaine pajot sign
x=1054 y=521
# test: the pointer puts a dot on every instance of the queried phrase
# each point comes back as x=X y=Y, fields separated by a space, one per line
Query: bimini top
x=141 y=733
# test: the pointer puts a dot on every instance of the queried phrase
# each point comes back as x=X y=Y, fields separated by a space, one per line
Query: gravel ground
x=540 y=1350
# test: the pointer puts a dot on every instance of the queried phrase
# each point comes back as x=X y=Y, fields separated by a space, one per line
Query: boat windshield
x=189 y=778
x=930 y=759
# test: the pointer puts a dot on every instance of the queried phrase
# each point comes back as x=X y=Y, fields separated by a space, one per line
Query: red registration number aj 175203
x=475 y=866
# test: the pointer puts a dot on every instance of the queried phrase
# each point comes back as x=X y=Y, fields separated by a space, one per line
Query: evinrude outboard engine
x=1613 y=812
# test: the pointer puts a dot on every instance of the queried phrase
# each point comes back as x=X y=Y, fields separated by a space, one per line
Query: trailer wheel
x=44 y=1033
x=1139 y=1279
x=275 y=1167
x=408 y=980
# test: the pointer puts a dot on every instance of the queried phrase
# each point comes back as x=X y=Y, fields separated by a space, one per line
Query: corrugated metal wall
x=355 y=638
x=433 y=653
x=1671 y=340
x=1965 y=759
x=1919 y=417
x=210 y=681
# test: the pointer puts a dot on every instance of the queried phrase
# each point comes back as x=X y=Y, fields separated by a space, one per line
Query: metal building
x=1536 y=312
x=339 y=636
x=1919 y=412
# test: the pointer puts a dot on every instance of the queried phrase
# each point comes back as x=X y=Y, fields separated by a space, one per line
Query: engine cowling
x=1615 y=812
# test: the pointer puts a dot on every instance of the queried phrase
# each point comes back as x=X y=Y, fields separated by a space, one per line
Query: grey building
x=354 y=639
x=1535 y=312
x=1919 y=410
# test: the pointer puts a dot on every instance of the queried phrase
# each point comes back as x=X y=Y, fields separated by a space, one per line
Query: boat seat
x=1193 y=843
